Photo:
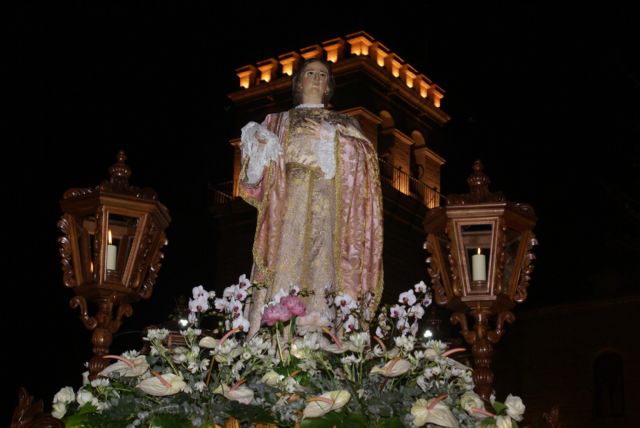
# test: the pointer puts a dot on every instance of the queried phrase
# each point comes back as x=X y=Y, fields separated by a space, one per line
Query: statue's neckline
x=310 y=106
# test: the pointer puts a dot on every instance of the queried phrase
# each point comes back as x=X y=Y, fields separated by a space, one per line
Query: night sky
x=546 y=97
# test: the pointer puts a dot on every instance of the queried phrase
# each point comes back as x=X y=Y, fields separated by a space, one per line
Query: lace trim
x=310 y=106
x=325 y=150
x=259 y=154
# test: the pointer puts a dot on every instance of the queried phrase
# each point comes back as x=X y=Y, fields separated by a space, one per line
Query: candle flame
x=110 y=238
x=91 y=267
x=479 y=252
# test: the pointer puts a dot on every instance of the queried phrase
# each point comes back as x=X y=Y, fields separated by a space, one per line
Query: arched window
x=608 y=378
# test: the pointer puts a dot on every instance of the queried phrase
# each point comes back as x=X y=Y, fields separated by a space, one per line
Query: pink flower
x=275 y=313
x=294 y=304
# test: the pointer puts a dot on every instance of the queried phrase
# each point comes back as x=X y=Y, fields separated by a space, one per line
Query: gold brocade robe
x=323 y=234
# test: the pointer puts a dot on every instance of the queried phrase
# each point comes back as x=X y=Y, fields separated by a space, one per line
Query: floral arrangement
x=300 y=369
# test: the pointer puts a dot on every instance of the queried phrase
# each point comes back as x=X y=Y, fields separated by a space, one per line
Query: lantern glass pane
x=476 y=239
x=123 y=232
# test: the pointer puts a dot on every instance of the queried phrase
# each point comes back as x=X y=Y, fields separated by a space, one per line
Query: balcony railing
x=408 y=185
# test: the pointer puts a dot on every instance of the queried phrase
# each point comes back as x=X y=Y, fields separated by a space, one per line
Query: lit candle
x=112 y=254
x=479 y=267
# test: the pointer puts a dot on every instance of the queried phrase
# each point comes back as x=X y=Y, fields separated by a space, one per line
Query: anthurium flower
x=127 y=367
x=271 y=378
x=325 y=403
x=472 y=404
x=161 y=385
x=394 y=368
x=240 y=393
x=433 y=412
x=208 y=342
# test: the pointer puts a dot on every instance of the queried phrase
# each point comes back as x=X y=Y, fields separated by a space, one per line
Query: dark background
x=546 y=97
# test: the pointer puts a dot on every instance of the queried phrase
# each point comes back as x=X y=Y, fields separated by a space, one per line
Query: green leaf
x=354 y=420
x=327 y=421
x=393 y=422
x=170 y=421
x=488 y=422
x=87 y=408
x=499 y=408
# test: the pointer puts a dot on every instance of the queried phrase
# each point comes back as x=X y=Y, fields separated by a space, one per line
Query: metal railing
x=409 y=185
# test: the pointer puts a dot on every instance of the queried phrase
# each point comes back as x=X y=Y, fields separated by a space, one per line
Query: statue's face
x=315 y=79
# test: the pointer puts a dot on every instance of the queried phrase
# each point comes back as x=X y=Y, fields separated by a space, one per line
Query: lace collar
x=310 y=106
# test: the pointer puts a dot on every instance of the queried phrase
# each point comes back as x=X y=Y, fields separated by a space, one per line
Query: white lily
x=434 y=412
x=394 y=368
x=127 y=367
x=325 y=403
x=162 y=385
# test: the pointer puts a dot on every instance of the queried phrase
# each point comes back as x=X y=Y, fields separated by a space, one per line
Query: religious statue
x=313 y=176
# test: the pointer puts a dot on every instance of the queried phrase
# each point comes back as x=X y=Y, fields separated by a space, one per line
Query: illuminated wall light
x=310 y=52
x=267 y=69
x=359 y=44
x=245 y=75
x=380 y=53
x=288 y=62
x=334 y=49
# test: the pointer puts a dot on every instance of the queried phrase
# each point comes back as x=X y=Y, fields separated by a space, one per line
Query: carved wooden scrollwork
x=80 y=302
x=505 y=316
x=31 y=415
x=440 y=294
x=527 y=269
x=68 y=277
x=460 y=318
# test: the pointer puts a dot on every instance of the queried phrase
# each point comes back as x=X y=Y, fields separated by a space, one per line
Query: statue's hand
x=310 y=126
x=261 y=137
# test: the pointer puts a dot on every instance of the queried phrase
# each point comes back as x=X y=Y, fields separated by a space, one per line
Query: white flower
x=406 y=343
x=201 y=304
x=325 y=403
x=162 y=385
x=59 y=410
x=416 y=311
x=157 y=333
x=100 y=382
x=345 y=302
x=244 y=282
x=199 y=386
x=279 y=295
x=85 y=378
x=379 y=332
x=351 y=324
x=407 y=298
x=397 y=311
x=515 y=407
x=65 y=396
x=503 y=422
x=129 y=368
x=85 y=397
x=271 y=378
x=393 y=368
x=241 y=393
x=434 y=412
x=471 y=402
x=360 y=340
x=241 y=322
x=420 y=287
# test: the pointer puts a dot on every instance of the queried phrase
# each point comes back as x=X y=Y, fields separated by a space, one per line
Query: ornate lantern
x=110 y=250
x=480 y=265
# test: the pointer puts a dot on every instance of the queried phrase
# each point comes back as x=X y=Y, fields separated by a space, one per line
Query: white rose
x=84 y=397
x=59 y=410
x=65 y=396
x=515 y=407
x=503 y=422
